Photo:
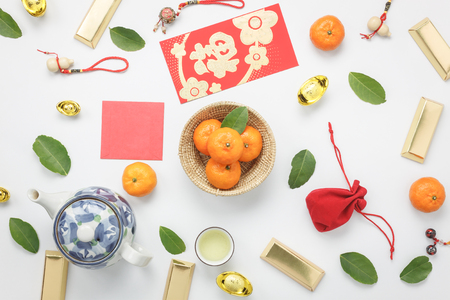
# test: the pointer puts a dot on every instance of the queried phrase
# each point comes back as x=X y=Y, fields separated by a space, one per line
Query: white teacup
x=214 y=246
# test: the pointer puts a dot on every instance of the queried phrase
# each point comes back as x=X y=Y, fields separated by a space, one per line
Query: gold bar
x=55 y=276
x=422 y=130
x=96 y=21
x=293 y=264
x=433 y=46
x=179 y=280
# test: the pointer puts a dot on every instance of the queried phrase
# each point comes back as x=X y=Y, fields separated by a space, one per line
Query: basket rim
x=237 y=190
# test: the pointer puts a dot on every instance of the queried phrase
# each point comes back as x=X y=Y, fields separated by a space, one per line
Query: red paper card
x=229 y=53
x=132 y=130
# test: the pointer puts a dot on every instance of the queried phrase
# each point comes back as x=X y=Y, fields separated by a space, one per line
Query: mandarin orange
x=223 y=176
x=138 y=179
x=202 y=133
x=327 y=33
x=225 y=145
x=427 y=194
x=252 y=144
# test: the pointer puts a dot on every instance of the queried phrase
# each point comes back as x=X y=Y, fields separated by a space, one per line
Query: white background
x=369 y=137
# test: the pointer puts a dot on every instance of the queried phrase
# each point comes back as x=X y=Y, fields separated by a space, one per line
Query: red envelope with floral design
x=229 y=53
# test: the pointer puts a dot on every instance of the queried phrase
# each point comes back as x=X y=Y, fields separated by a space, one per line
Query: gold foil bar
x=422 y=130
x=433 y=46
x=96 y=21
x=293 y=264
x=179 y=280
x=55 y=276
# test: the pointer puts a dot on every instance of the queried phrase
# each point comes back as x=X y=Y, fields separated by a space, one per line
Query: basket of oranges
x=224 y=161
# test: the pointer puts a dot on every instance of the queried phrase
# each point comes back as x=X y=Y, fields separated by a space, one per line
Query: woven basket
x=253 y=172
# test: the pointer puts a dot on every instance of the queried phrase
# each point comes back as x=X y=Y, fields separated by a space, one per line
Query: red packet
x=132 y=130
x=229 y=53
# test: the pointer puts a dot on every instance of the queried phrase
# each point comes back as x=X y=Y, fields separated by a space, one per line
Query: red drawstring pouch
x=331 y=208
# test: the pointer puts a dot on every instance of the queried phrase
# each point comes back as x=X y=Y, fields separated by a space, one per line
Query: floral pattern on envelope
x=229 y=53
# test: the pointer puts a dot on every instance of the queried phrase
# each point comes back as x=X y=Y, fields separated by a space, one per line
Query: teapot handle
x=135 y=254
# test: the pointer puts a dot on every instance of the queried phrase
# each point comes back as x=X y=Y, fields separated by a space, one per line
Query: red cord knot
x=330 y=129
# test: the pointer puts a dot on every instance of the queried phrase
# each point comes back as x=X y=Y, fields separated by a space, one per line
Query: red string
x=338 y=154
x=436 y=241
x=339 y=158
x=221 y=2
x=91 y=68
x=392 y=231
x=57 y=58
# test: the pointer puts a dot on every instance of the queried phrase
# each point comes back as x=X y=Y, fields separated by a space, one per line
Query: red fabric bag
x=331 y=208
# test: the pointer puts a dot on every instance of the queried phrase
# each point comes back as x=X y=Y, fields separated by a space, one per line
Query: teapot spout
x=50 y=201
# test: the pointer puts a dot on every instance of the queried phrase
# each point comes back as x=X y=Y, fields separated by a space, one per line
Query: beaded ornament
x=167 y=15
x=431 y=249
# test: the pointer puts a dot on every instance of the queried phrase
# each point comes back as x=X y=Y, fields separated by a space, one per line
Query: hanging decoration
x=167 y=15
x=62 y=64
x=431 y=249
x=377 y=24
x=331 y=208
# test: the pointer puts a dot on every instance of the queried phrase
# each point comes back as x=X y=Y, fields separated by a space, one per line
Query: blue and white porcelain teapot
x=93 y=227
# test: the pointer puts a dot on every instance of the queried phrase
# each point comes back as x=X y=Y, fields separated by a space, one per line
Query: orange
x=225 y=145
x=327 y=33
x=138 y=179
x=252 y=144
x=202 y=133
x=427 y=194
x=223 y=176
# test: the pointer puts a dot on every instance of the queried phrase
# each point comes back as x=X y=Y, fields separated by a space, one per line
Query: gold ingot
x=235 y=284
x=68 y=108
x=36 y=8
x=312 y=90
x=4 y=195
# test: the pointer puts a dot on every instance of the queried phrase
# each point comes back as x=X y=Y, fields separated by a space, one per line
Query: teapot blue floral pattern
x=106 y=215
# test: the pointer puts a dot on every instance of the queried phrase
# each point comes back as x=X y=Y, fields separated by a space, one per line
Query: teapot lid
x=88 y=229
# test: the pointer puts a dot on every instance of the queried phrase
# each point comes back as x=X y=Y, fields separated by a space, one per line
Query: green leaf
x=236 y=119
x=367 y=88
x=303 y=165
x=9 y=27
x=126 y=39
x=171 y=241
x=52 y=154
x=359 y=267
x=417 y=270
x=24 y=234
